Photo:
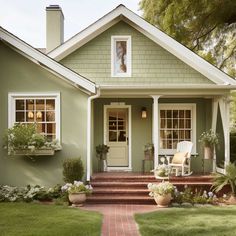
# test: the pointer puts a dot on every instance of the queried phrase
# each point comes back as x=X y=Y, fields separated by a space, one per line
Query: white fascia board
x=177 y=49
x=165 y=41
x=47 y=61
x=168 y=86
x=84 y=36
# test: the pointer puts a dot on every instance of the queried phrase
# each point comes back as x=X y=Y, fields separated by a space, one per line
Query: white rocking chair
x=181 y=160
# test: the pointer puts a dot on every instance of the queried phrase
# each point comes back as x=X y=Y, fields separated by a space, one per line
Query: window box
x=37 y=152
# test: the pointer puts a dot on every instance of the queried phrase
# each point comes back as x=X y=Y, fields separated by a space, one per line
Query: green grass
x=204 y=221
x=23 y=219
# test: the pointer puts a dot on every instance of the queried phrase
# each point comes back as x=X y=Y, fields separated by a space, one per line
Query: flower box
x=37 y=152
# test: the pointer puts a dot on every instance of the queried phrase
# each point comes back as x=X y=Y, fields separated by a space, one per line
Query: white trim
x=179 y=106
x=155 y=129
x=165 y=41
x=129 y=167
x=43 y=59
x=89 y=139
x=126 y=38
x=54 y=95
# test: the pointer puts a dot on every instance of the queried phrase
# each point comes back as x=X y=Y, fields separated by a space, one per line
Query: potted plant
x=161 y=193
x=229 y=178
x=23 y=139
x=162 y=171
x=208 y=140
x=149 y=151
x=77 y=192
x=101 y=153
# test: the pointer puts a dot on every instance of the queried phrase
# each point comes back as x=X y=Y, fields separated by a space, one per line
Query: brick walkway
x=118 y=220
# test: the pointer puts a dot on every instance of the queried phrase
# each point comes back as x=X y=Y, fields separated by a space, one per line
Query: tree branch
x=230 y=54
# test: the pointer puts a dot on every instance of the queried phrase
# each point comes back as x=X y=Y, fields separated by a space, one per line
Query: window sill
x=38 y=152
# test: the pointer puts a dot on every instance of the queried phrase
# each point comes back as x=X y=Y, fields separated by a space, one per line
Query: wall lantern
x=144 y=113
x=39 y=115
x=30 y=115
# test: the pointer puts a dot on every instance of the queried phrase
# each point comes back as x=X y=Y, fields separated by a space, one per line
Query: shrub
x=72 y=169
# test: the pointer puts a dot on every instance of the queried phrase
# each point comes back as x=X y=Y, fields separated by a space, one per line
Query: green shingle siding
x=151 y=64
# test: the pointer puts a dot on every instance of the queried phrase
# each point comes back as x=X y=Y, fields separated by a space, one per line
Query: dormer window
x=121 y=56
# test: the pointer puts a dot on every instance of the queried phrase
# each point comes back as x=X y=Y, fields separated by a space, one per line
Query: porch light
x=144 y=113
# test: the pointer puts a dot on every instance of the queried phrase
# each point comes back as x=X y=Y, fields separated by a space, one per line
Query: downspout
x=89 y=105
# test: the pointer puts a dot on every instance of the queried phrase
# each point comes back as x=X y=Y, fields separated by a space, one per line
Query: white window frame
x=12 y=109
x=126 y=38
x=179 y=106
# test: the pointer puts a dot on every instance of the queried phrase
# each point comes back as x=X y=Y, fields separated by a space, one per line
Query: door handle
x=127 y=140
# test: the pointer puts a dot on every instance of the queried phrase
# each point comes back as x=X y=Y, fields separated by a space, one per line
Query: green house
x=121 y=82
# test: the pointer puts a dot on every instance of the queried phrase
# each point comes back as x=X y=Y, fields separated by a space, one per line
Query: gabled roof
x=43 y=60
x=122 y=13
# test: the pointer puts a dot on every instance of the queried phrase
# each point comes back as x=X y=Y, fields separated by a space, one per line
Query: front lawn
x=204 y=221
x=18 y=219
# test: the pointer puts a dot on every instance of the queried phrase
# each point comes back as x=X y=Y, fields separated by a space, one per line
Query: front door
x=117 y=137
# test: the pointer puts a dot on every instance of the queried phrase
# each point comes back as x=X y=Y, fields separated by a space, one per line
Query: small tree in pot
x=101 y=152
x=208 y=140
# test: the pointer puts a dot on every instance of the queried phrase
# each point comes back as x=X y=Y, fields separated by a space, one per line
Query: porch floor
x=131 y=187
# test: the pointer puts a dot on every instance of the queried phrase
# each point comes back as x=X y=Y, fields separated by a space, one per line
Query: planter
x=37 y=152
x=77 y=199
x=148 y=155
x=208 y=153
x=102 y=165
x=163 y=200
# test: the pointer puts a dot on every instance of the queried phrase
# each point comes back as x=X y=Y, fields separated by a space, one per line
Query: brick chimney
x=54 y=27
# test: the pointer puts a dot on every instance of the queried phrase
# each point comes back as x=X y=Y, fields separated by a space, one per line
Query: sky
x=27 y=18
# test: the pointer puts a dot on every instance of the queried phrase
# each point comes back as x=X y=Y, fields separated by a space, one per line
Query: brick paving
x=118 y=219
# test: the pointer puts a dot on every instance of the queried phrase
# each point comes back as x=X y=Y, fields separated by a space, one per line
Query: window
x=121 y=56
x=177 y=123
x=44 y=110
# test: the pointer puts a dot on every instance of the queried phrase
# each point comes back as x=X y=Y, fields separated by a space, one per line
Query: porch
x=131 y=187
x=169 y=119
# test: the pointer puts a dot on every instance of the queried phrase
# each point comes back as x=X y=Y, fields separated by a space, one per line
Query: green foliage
x=101 y=151
x=162 y=188
x=73 y=169
x=194 y=221
x=25 y=137
x=17 y=219
x=221 y=180
x=28 y=193
x=208 y=138
x=233 y=147
x=205 y=26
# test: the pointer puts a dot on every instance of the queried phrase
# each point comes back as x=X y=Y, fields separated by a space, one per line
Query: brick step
x=151 y=179
x=121 y=191
x=120 y=200
x=143 y=184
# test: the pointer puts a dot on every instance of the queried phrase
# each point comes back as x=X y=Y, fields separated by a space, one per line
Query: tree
x=208 y=27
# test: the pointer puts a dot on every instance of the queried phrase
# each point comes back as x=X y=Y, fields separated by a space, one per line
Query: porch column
x=224 y=111
x=215 y=103
x=155 y=129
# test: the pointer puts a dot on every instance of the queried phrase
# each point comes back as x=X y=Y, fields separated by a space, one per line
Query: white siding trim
x=56 y=96
x=43 y=59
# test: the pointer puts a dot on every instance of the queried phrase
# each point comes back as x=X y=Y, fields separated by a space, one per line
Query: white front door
x=117 y=136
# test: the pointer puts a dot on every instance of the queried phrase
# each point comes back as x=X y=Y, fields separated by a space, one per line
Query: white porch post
x=224 y=111
x=215 y=103
x=155 y=129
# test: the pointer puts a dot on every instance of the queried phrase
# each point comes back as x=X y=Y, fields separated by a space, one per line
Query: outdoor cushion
x=179 y=157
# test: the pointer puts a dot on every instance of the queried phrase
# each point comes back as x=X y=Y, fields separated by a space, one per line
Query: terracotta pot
x=77 y=199
x=163 y=200
x=208 y=153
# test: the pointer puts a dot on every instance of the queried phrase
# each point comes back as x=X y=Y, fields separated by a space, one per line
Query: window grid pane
x=175 y=126
x=39 y=110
